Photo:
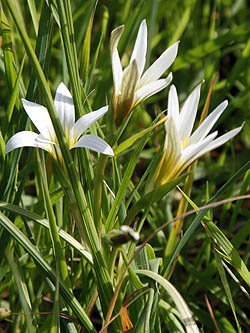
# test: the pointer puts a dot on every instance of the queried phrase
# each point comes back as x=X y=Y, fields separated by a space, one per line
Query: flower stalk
x=58 y=251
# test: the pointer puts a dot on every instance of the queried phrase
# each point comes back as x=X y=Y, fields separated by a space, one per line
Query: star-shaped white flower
x=131 y=86
x=47 y=139
x=181 y=147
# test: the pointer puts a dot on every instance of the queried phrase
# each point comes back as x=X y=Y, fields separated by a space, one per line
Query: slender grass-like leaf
x=132 y=140
x=9 y=61
x=236 y=210
x=86 y=48
x=63 y=234
x=226 y=287
x=152 y=24
x=231 y=255
x=93 y=64
x=67 y=31
x=210 y=47
x=190 y=231
x=34 y=15
x=142 y=324
x=47 y=271
x=2 y=145
x=38 y=207
x=149 y=310
x=238 y=69
x=172 y=314
x=151 y=197
x=236 y=280
x=182 y=307
x=123 y=186
x=14 y=94
x=183 y=22
x=22 y=291
x=224 y=244
x=134 y=278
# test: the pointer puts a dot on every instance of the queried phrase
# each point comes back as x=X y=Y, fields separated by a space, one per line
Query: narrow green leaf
x=191 y=229
x=236 y=210
x=22 y=291
x=134 y=278
x=54 y=197
x=93 y=64
x=47 y=271
x=181 y=305
x=86 y=48
x=210 y=47
x=227 y=248
x=34 y=16
x=14 y=93
x=148 y=309
x=63 y=234
x=151 y=197
x=2 y=145
x=226 y=287
x=9 y=61
x=183 y=22
x=131 y=141
x=123 y=186
x=172 y=314
x=68 y=38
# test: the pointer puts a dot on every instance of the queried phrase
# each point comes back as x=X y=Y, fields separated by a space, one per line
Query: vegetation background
x=214 y=42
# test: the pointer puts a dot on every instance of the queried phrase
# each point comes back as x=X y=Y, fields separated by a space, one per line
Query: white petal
x=94 y=143
x=140 y=48
x=151 y=89
x=115 y=59
x=160 y=65
x=192 y=152
x=86 y=121
x=173 y=106
x=221 y=140
x=129 y=82
x=173 y=145
x=65 y=108
x=24 y=139
x=188 y=113
x=202 y=131
x=41 y=139
x=39 y=115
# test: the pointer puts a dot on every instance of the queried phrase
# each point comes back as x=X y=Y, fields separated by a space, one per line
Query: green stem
x=111 y=139
x=177 y=226
x=58 y=251
x=98 y=191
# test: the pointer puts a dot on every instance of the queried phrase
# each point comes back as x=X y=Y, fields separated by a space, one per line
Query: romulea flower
x=131 y=86
x=181 y=147
x=47 y=139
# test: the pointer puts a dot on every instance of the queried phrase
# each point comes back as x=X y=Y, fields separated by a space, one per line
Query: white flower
x=181 y=147
x=47 y=139
x=131 y=86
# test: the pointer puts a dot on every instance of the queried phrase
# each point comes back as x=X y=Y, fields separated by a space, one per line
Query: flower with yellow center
x=131 y=85
x=181 y=147
x=47 y=139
